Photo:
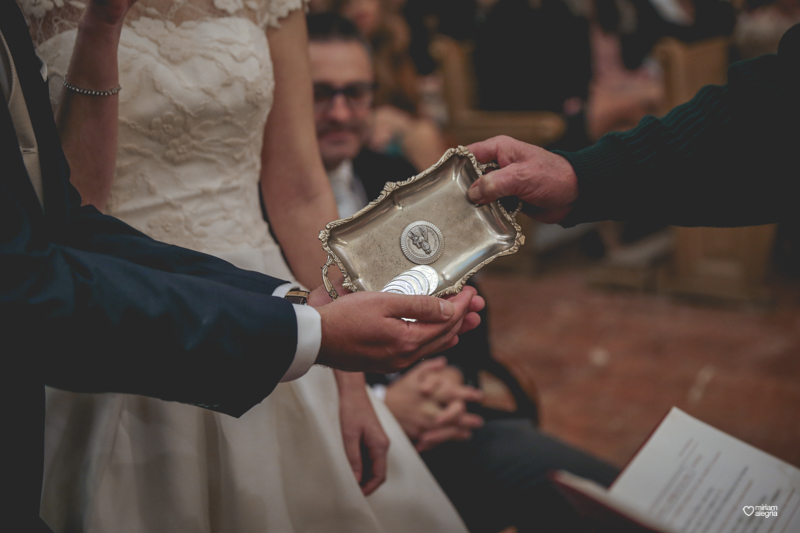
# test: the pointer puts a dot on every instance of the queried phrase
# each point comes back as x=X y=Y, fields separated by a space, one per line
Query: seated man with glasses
x=491 y=464
x=358 y=95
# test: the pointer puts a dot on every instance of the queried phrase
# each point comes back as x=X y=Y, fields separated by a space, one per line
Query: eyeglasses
x=357 y=95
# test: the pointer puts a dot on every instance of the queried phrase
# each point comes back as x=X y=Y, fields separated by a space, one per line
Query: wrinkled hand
x=365 y=442
x=430 y=403
x=364 y=332
x=540 y=178
x=109 y=11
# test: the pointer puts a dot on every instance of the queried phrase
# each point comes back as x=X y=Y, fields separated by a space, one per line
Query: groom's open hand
x=364 y=332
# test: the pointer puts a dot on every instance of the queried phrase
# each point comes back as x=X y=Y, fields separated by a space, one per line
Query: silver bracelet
x=90 y=92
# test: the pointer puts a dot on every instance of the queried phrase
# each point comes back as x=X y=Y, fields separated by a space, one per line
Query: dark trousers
x=499 y=478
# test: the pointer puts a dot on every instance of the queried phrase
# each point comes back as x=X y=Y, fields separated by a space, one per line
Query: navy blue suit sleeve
x=93 y=231
x=112 y=310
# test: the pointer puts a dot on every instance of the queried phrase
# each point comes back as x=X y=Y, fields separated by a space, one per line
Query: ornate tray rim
x=388 y=189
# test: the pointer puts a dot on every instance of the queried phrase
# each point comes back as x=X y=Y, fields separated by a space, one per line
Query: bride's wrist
x=100 y=26
x=93 y=65
x=350 y=382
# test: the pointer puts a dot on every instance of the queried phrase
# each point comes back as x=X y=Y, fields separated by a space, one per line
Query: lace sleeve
x=278 y=9
x=48 y=18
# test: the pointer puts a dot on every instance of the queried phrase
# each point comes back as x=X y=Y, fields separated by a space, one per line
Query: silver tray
x=425 y=220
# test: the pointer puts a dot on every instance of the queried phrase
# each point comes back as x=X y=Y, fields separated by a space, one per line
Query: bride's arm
x=88 y=124
x=300 y=202
x=296 y=191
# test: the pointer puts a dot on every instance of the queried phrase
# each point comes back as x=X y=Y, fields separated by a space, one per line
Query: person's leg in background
x=499 y=477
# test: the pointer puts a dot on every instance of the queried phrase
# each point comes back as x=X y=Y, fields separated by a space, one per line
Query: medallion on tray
x=422 y=235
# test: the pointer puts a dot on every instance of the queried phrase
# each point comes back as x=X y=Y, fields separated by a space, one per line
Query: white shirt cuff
x=309 y=336
x=379 y=390
x=281 y=291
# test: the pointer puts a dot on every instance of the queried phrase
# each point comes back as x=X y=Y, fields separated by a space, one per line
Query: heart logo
x=748 y=509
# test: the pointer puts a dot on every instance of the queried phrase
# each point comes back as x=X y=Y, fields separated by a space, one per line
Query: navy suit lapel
x=12 y=169
x=55 y=171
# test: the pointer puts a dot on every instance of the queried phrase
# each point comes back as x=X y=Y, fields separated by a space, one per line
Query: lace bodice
x=48 y=18
x=196 y=94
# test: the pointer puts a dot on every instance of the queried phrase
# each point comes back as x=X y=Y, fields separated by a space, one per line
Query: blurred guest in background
x=457 y=19
x=619 y=97
x=399 y=128
x=641 y=23
x=627 y=81
x=492 y=464
x=760 y=26
x=534 y=56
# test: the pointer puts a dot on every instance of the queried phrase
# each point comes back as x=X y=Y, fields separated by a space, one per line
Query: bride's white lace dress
x=198 y=86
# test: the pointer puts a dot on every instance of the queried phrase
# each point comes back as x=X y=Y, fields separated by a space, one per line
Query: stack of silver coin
x=421 y=279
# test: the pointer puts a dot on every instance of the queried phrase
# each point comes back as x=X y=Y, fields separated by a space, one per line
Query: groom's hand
x=543 y=180
x=364 y=331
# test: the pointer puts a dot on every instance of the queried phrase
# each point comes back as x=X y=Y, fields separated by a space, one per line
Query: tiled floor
x=608 y=365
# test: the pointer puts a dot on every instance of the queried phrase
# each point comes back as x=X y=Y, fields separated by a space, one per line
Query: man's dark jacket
x=726 y=158
x=89 y=304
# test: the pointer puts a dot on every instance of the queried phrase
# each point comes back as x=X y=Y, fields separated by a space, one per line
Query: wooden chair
x=728 y=263
x=688 y=67
x=466 y=123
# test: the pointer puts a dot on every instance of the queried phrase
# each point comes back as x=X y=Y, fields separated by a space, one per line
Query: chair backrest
x=688 y=67
x=455 y=61
x=467 y=124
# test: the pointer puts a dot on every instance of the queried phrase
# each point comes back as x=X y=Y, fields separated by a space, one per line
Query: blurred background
x=604 y=326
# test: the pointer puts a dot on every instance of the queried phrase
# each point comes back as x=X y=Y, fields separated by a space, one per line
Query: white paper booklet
x=692 y=478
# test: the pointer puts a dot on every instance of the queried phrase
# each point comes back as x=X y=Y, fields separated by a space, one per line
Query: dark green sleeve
x=729 y=157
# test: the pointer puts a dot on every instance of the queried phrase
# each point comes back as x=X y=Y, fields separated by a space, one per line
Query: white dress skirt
x=196 y=95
